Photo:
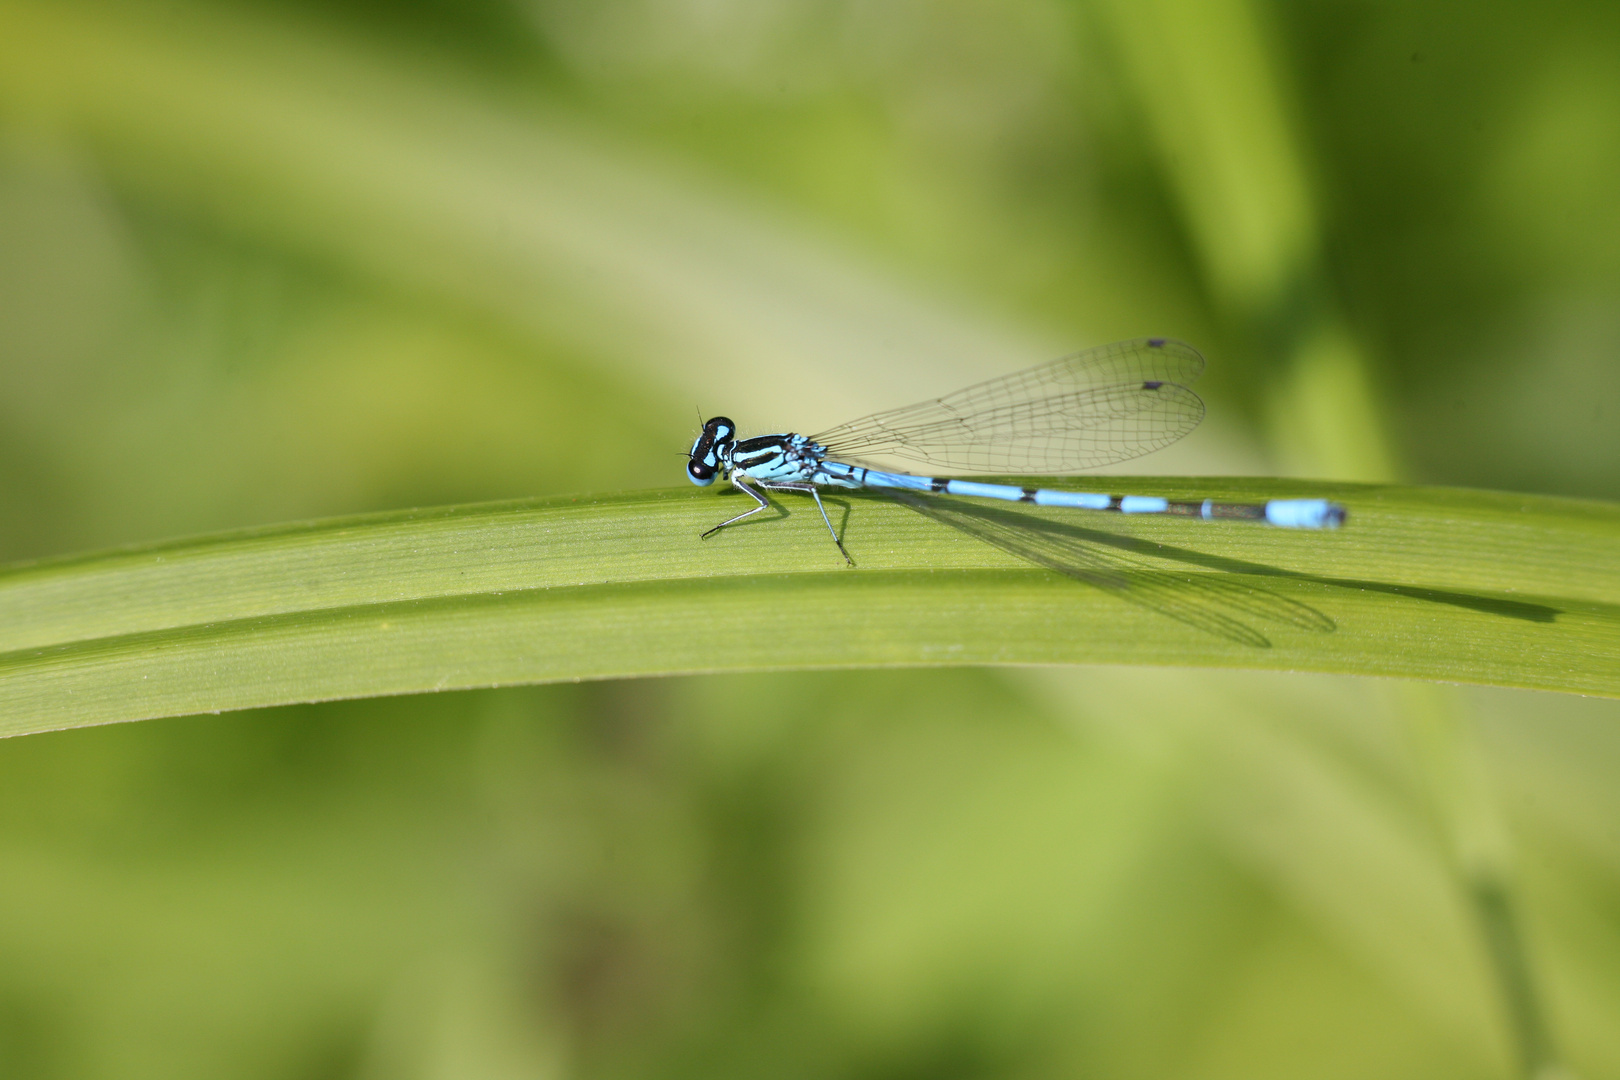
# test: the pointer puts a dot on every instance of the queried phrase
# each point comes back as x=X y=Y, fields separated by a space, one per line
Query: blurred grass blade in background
x=1464 y=586
x=529 y=216
x=1211 y=88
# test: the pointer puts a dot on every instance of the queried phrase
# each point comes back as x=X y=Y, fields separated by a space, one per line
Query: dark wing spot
x=1155 y=342
x=1152 y=385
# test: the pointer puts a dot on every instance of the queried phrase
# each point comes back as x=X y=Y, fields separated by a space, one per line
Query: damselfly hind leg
x=815 y=493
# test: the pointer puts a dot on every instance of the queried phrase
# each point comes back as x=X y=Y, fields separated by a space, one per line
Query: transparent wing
x=1097 y=407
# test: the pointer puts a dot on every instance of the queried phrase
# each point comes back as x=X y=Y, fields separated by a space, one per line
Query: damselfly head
x=712 y=451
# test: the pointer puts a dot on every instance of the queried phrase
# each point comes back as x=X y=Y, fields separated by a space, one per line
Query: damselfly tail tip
x=1305 y=513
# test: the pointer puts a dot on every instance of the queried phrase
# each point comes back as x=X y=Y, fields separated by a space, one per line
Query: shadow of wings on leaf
x=1229 y=607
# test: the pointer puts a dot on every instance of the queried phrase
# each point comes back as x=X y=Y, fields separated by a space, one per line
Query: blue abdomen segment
x=1079 y=500
x=1304 y=513
x=982 y=491
x=871 y=478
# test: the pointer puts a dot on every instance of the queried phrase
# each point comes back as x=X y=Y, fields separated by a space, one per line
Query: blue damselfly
x=1097 y=407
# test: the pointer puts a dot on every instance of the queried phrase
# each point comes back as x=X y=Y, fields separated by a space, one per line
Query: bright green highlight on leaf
x=1469 y=586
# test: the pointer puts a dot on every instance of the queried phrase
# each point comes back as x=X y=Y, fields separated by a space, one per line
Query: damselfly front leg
x=736 y=482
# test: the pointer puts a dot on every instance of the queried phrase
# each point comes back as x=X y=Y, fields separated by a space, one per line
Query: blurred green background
x=274 y=259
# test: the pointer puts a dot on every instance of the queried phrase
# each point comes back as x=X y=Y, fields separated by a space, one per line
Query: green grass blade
x=1468 y=586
